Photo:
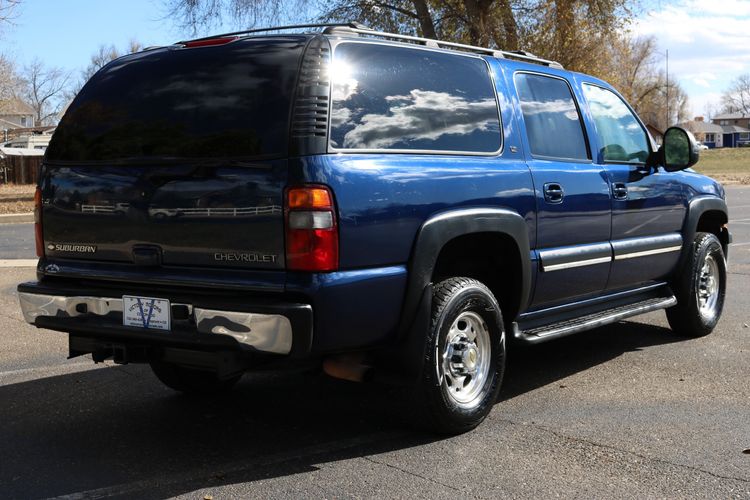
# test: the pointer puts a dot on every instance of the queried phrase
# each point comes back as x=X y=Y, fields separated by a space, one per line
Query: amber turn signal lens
x=309 y=197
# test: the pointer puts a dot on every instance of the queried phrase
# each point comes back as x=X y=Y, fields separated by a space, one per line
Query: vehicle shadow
x=116 y=431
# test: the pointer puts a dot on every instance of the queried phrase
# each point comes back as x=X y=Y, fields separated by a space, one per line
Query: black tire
x=700 y=293
x=191 y=381
x=461 y=307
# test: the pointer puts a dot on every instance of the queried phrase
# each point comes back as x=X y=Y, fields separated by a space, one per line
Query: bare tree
x=44 y=90
x=577 y=33
x=737 y=97
x=196 y=15
x=10 y=82
x=710 y=110
x=103 y=55
x=636 y=70
x=8 y=11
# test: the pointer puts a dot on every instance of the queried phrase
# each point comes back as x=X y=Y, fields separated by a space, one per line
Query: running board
x=591 y=321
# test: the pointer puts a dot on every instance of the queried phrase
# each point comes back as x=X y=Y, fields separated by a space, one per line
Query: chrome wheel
x=708 y=288
x=464 y=365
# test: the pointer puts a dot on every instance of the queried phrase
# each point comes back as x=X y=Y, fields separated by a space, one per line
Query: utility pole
x=667 y=89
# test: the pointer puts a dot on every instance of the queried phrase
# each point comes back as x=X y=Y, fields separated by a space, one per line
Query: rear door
x=176 y=157
x=572 y=193
x=648 y=204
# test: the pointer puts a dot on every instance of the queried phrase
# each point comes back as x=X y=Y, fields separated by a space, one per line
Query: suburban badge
x=71 y=248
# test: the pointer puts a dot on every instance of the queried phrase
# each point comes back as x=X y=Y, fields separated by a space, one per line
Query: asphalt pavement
x=625 y=411
x=17 y=241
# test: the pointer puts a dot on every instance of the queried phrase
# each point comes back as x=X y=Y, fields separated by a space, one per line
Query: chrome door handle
x=619 y=191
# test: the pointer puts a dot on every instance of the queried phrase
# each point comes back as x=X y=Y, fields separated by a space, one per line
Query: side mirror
x=679 y=151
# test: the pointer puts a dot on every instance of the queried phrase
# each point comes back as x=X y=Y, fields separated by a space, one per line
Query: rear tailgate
x=178 y=215
x=176 y=156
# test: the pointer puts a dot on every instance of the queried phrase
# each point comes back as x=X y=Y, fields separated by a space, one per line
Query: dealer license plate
x=146 y=312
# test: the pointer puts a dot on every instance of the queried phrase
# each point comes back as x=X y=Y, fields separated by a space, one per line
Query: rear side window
x=229 y=101
x=553 y=123
x=403 y=99
x=621 y=136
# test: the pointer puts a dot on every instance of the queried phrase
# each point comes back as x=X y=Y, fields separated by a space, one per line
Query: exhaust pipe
x=349 y=366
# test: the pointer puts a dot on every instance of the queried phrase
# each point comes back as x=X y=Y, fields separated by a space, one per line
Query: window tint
x=621 y=137
x=410 y=99
x=231 y=100
x=553 y=123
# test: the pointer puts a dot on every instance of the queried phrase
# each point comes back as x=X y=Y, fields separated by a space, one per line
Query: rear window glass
x=553 y=123
x=225 y=101
x=402 y=99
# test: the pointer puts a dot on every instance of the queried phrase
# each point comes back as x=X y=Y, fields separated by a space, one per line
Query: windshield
x=228 y=101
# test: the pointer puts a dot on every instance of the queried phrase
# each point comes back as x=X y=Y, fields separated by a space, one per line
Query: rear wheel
x=465 y=357
x=190 y=380
x=700 y=290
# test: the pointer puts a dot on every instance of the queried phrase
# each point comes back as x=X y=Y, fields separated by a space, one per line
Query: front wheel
x=464 y=357
x=700 y=290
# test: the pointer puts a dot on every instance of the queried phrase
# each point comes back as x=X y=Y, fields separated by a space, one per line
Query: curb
x=18 y=262
x=16 y=218
x=16 y=197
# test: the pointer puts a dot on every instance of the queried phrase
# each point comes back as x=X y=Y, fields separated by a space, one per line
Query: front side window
x=622 y=139
x=553 y=123
x=403 y=99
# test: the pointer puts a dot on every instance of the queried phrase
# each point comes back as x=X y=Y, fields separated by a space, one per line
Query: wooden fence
x=20 y=169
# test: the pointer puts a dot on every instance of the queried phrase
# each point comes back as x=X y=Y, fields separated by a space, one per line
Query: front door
x=572 y=194
x=648 y=204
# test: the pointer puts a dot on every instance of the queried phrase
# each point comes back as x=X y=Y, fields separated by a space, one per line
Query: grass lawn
x=728 y=165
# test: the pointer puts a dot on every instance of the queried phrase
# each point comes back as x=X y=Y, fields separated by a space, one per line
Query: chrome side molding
x=556 y=259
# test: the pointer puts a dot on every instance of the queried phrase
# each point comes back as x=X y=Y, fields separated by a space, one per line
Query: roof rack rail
x=350 y=25
x=429 y=42
x=360 y=29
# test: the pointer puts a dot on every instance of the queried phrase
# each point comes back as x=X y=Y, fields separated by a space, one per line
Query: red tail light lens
x=38 y=237
x=312 y=239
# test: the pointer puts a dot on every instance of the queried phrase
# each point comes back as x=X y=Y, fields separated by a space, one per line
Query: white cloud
x=421 y=115
x=708 y=44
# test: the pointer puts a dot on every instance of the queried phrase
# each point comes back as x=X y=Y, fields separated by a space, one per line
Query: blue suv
x=395 y=208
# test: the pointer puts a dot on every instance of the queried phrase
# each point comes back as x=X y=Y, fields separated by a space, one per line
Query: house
x=739 y=119
x=735 y=136
x=14 y=113
x=30 y=138
x=735 y=128
x=710 y=134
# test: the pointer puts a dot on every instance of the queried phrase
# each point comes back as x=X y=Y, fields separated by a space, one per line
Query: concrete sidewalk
x=16 y=218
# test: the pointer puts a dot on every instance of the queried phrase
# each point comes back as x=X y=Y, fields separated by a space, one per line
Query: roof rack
x=350 y=25
x=429 y=42
x=360 y=29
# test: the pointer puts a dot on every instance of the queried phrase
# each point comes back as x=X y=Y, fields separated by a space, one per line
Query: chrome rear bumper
x=271 y=333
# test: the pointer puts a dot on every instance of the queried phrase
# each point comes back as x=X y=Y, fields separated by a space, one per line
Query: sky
x=708 y=40
x=708 y=43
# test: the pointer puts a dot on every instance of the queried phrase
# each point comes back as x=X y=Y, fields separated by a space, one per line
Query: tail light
x=38 y=238
x=208 y=42
x=312 y=239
